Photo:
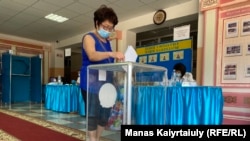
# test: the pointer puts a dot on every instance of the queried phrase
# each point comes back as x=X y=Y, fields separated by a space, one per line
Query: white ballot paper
x=130 y=54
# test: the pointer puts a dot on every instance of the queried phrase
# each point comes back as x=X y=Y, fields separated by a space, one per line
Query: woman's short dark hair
x=180 y=67
x=104 y=13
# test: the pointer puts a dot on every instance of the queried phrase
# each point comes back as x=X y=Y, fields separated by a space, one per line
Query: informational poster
x=232 y=29
x=235 y=49
x=182 y=32
x=167 y=54
x=67 y=52
x=230 y=71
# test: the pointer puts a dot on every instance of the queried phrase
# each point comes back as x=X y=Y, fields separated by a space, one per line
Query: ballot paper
x=130 y=54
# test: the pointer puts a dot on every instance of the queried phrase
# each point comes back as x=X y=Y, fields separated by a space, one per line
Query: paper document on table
x=130 y=54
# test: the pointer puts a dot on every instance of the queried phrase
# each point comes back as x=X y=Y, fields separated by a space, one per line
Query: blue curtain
x=64 y=98
x=201 y=105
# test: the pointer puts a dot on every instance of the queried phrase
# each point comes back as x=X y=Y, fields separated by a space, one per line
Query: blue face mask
x=103 y=33
x=178 y=74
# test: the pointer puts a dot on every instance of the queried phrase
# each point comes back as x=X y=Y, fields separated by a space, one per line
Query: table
x=64 y=98
x=201 y=105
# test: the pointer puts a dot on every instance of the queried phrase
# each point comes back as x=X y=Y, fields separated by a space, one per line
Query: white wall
x=200 y=31
x=56 y=60
x=59 y=58
x=188 y=8
x=24 y=40
x=209 y=49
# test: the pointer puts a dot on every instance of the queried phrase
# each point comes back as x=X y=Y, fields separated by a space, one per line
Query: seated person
x=180 y=69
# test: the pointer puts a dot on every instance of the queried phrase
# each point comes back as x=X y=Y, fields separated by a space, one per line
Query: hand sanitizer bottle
x=165 y=79
x=172 y=81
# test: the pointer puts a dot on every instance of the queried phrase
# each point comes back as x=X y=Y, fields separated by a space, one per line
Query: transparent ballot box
x=115 y=96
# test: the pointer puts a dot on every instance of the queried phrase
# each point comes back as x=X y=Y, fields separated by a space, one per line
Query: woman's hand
x=118 y=55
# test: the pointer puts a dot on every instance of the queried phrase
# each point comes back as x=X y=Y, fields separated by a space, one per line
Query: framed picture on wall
x=230 y=71
x=164 y=57
x=143 y=59
x=245 y=27
x=152 y=58
x=247 y=70
x=232 y=29
x=248 y=48
x=233 y=50
x=178 y=55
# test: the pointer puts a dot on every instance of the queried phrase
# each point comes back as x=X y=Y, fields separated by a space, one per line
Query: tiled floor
x=72 y=120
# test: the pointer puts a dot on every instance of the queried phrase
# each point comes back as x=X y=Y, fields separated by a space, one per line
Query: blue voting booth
x=21 y=78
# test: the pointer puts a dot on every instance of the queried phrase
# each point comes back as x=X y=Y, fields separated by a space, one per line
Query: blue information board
x=167 y=54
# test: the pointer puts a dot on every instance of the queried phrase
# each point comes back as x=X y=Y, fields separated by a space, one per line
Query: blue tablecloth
x=202 y=105
x=64 y=98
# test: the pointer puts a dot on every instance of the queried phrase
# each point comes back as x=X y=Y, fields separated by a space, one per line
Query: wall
x=128 y=26
x=199 y=58
x=57 y=65
x=236 y=91
x=209 y=48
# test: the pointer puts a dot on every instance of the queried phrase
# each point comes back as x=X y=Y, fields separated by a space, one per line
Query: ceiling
x=25 y=18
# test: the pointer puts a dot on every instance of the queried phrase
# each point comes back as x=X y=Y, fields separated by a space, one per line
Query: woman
x=180 y=70
x=97 y=50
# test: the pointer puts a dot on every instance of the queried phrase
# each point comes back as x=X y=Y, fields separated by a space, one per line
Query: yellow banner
x=178 y=45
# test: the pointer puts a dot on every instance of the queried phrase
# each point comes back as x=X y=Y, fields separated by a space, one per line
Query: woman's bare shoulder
x=88 y=37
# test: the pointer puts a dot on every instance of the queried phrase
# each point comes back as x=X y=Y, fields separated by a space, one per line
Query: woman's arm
x=89 y=47
x=93 y=55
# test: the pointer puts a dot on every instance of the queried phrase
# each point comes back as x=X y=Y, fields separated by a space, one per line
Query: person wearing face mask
x=180 y=70
x=96 y=49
